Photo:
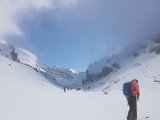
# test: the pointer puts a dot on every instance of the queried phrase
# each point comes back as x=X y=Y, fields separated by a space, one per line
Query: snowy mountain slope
x=63 y=76
x=26 y=95
x=18 y=54
x=8 y=51
x=27 y=57
x=96 y=71
x=148 y=74
x=107 y=67
x=56 y=75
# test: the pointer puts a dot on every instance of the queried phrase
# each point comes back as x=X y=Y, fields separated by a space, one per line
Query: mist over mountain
x=93 y=28
x=110 y=66
x=100 y=70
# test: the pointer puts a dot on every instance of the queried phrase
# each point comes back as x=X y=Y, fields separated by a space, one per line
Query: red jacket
x=135 y=88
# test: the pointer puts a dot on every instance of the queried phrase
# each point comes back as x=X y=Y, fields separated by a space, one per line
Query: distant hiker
x=68 y=88
x=131 y=91
x=64 y=89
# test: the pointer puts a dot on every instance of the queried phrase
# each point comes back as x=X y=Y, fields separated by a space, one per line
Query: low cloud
x=102 y=26
x=121 y=20
x=122 y=24
x=12 y=11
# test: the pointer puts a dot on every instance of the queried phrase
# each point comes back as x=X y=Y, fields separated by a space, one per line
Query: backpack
x=127 y=89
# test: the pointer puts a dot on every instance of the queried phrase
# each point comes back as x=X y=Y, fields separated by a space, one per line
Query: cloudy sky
x=73 y=33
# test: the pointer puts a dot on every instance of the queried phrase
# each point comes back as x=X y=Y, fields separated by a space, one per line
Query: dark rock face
x=157 y=39
x=156 y=46
x=92 y=77
x=116 y=65
x=13 y=55
x=106 y=71
x=156 y=50
x=9 y=52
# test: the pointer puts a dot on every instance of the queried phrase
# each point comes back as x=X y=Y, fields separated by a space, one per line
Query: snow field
x=26 y=95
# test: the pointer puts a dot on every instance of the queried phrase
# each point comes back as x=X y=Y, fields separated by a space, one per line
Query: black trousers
x=132 y=113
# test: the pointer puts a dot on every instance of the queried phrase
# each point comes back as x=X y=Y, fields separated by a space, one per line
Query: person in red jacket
x=132 y=100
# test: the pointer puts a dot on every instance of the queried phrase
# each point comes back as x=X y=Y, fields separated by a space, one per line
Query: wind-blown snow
x=27 y=57
x=26 y=95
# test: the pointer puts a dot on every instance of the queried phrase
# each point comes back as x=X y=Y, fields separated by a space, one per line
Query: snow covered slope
x=8 y=51
x=27 y=57
x=18 y=54
x=64 y=77
x=148 y=74
x=59 y=76
x=26 y=95
x=110 y=66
